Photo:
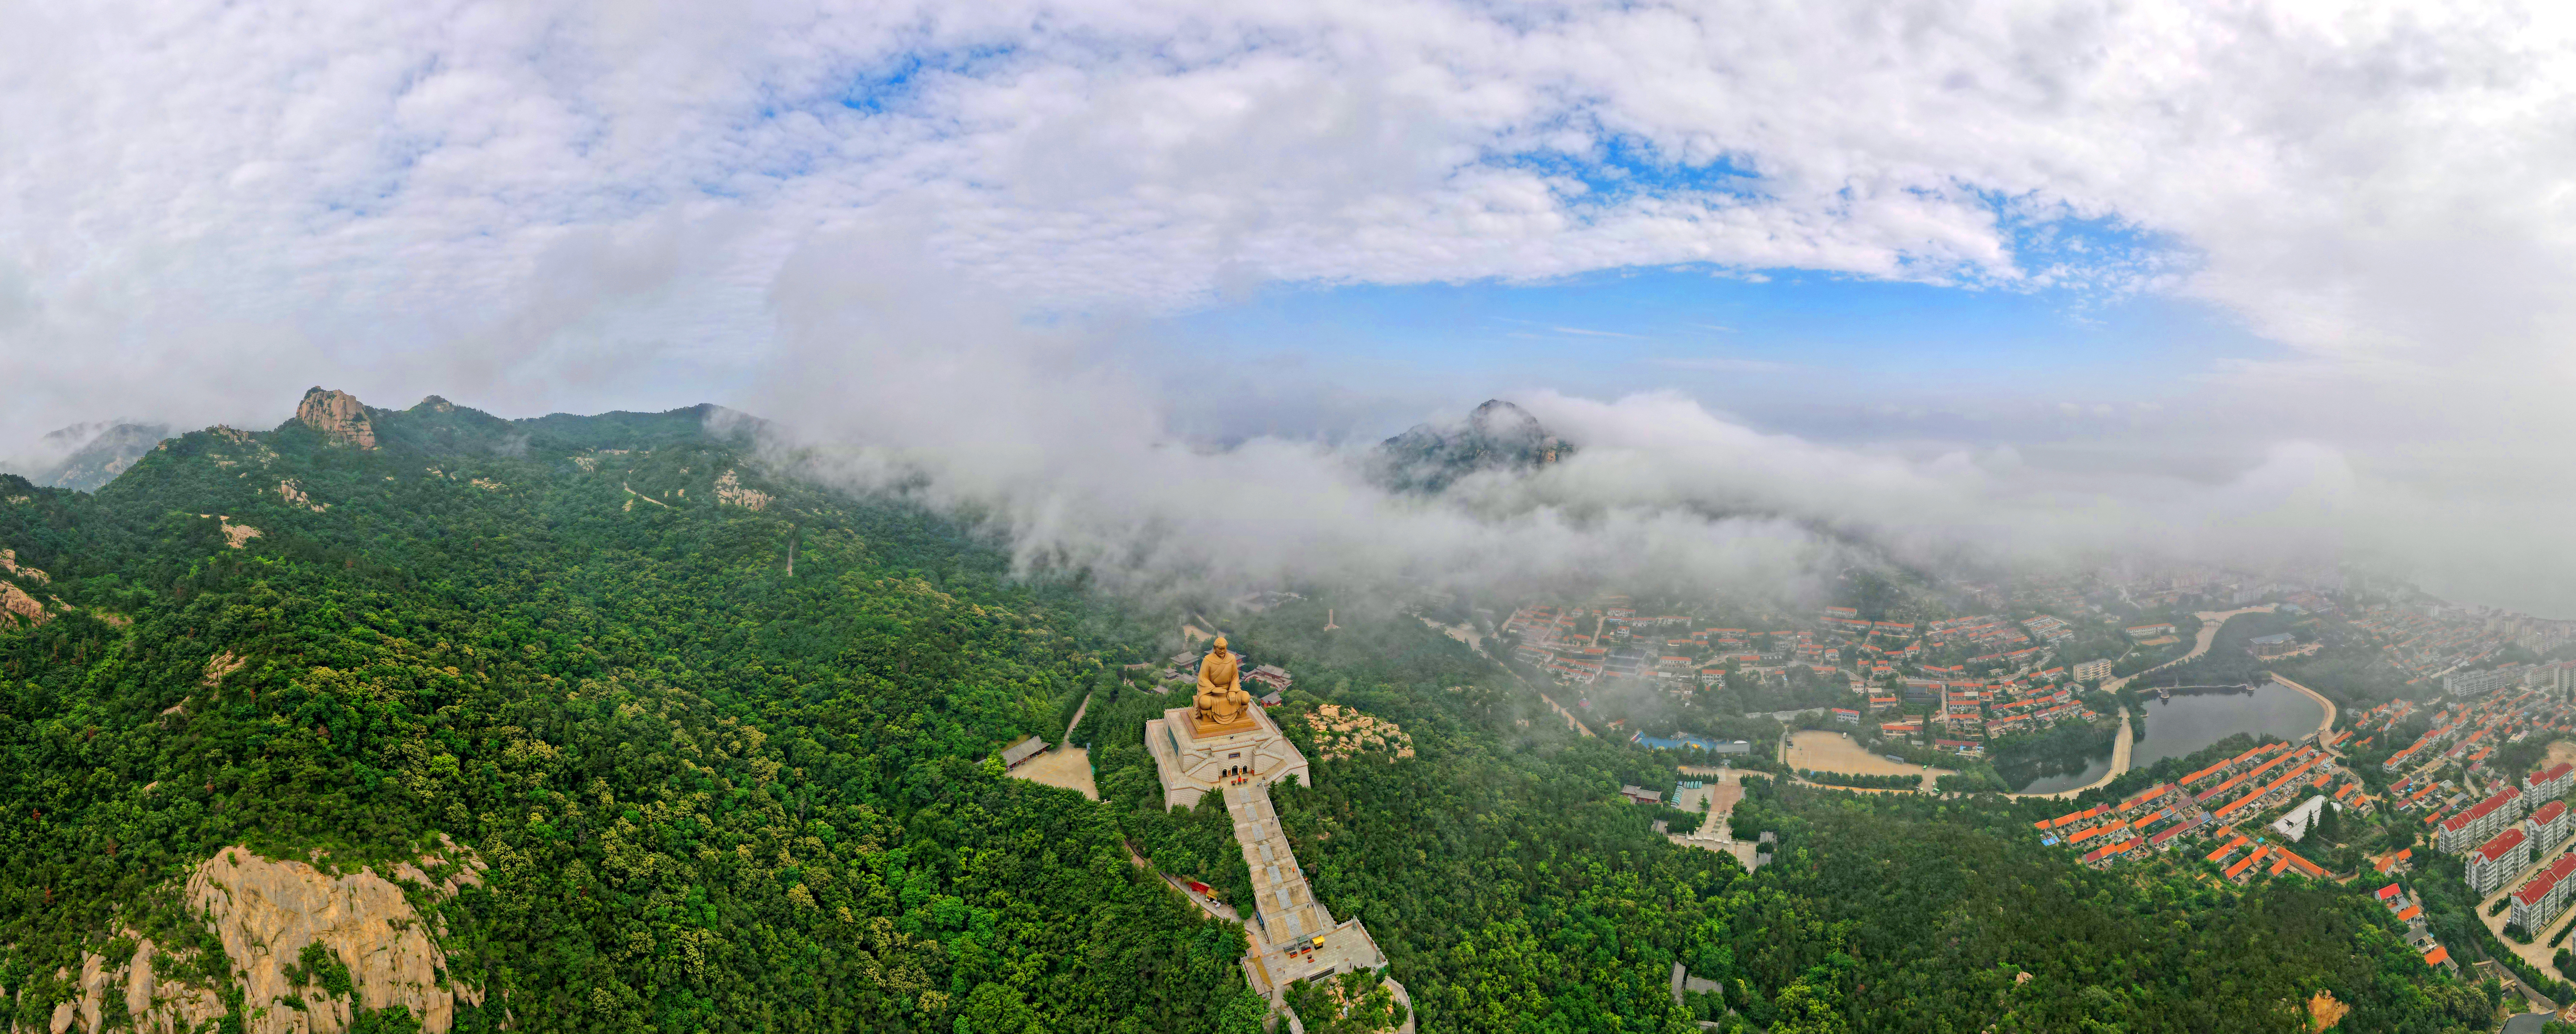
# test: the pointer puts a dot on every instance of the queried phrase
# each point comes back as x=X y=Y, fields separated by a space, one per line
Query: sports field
x=1820 y=751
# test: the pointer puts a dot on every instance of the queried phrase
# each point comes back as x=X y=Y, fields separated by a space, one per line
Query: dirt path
x=1214 y=908
x=1569 y=715
x=1077 y=718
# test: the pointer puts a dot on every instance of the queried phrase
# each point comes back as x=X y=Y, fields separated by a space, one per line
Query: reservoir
x=2187 y=723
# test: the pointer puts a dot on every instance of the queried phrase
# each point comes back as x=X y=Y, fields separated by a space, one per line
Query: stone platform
x=1189 y=762
x=1291 y=935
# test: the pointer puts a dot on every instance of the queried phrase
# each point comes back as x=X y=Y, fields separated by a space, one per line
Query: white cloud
x=206 y=207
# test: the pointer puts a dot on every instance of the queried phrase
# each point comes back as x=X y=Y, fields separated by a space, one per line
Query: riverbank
x=2210 y=622
x=2121 y=744
x=2323 y=727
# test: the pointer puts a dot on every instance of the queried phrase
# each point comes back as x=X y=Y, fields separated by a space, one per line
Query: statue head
x=1220 y=646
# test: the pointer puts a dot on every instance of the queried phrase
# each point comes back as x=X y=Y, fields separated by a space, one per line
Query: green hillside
x=712 y=795
x=717 y=794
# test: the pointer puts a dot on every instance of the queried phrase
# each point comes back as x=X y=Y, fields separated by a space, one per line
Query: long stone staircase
x=1292 y=936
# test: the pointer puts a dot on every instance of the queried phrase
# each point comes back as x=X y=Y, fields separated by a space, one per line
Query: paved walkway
x=1295 y=937
x=2323 y=727
x=1716 y=832
x=1286 y=906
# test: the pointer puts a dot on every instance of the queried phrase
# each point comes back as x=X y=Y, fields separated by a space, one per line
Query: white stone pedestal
x=1190 y=767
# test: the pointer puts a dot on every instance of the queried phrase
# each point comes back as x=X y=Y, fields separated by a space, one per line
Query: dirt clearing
x=1816 y=750
x=1068 y=767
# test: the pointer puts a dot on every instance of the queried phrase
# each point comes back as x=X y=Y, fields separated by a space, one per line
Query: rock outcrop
x=9 y=562
x=220 y=665
x=1498 y=436
x=268 y=914
x=294 y=495
x=338 y=415
x=730 y=491
x=17 y=602
x=156 y=1006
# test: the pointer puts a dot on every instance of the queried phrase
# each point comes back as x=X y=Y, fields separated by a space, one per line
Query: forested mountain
x=680 y=742
x=91 y=455
x=710 y=794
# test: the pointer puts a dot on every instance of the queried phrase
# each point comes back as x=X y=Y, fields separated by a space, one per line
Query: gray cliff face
x=1497 y=436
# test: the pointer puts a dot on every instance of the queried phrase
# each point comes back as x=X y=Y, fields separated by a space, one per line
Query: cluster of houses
x=2410 y=912
x=2442 y=770
x=1581 y=645
x=1607 y=639
x=2222 y=802
x=2001 y=639
x=2150 y=821
x=2441 y=641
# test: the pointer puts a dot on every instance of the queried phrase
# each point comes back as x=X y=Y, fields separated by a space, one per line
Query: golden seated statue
x=1223 y=706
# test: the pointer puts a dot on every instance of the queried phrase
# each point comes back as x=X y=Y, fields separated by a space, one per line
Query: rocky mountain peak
x=1496 y=436
x=338 y=415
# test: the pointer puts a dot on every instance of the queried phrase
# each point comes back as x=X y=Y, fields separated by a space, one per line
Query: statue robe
x=1221 y=700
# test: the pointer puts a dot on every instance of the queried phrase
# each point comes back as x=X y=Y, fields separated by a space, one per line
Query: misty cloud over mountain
x=581 y=207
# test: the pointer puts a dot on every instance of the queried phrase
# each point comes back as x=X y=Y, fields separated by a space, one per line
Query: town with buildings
x=2004 y=675
x=2035 y=651
x=2511 y=833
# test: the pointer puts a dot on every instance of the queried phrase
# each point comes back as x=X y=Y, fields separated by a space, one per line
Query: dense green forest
x=712 y=796
x=719 y=793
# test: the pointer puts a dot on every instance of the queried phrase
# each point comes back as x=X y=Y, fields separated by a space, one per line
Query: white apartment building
x=2541 y=898
x=2496 y=861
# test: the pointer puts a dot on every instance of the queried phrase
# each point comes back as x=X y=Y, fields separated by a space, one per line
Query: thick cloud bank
x=1053 y=433
x=525 y=195
x=205 y=207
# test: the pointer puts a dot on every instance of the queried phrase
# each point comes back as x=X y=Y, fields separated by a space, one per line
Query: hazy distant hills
x=86 y=457
x=90 y=455
x=1497 y=436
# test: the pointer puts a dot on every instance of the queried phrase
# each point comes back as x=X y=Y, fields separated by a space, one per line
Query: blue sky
x=1792 y=349
x=2091 y=239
